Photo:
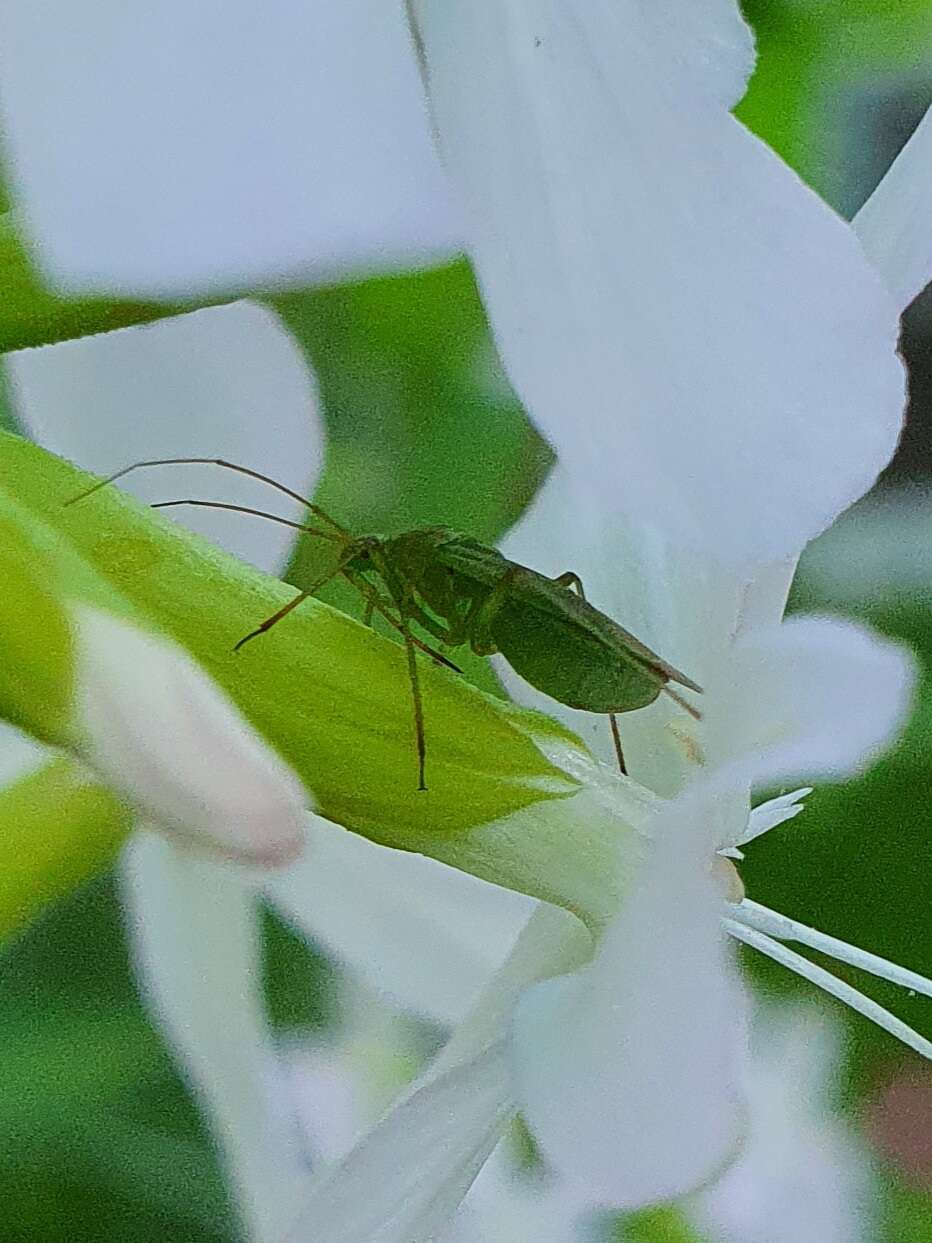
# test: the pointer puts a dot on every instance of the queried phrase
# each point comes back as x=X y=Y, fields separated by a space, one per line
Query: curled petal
x=815 y=697
x=156 y=728
x=201 y=385
x=629 y=1071
x=426 y=935
x=666 y=294
x=216 y=145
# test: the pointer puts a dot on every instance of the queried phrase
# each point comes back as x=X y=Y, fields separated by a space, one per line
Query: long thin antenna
x=256 y=513
x=213 y=461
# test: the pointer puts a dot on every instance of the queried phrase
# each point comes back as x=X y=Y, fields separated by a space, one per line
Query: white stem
x=830 y=984
x=785 y=929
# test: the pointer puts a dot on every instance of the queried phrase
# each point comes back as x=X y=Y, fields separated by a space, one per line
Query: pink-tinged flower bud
x=157 y=729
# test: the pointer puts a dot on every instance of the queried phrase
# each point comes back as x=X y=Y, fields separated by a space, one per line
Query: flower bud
x=159 y=731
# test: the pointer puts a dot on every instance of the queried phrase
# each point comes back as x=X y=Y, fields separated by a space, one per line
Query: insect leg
x=376 y=603
x=418 y=706
x=292 y=604
x=573 y=582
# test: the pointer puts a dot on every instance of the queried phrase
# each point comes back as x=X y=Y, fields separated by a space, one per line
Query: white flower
x=708 y=351
x=169 y=149
x=803 y=1176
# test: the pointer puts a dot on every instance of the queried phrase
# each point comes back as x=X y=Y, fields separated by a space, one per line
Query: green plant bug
x=461 y=592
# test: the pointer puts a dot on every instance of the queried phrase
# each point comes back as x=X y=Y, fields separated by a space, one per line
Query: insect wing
x=574 y=653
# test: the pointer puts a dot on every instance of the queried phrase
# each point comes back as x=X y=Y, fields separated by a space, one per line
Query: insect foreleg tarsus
x=573 y=582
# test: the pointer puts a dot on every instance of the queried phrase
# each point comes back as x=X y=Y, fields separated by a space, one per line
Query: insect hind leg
x=573 y=582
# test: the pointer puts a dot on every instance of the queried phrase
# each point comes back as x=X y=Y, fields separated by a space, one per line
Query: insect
x=461 y=592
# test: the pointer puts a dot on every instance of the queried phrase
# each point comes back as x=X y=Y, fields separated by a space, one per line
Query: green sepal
x=31 y=314
x=331 y=695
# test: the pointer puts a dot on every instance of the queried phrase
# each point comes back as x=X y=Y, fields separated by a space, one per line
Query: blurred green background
x=101 y=1141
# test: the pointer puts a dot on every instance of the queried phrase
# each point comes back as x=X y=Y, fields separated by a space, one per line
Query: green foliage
x=31 y=314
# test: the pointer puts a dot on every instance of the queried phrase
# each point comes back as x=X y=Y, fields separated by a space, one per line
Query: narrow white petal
x=227 y=381
x=195 y=934
x=180 y=147
x=893 y=224
x=781 y=927
x=406 y=1178
x=666 y=295
x=156 y=728
x=427 y=936
x=832 y=985
x=628 y=1072
x=767 y=816
x=813 y=697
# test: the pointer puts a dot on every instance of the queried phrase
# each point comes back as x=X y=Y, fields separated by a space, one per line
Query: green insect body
x=547 y=632
x=461 y=592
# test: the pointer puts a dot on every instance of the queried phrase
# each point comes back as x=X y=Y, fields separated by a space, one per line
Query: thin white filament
x=830 y=984
x=784 y=929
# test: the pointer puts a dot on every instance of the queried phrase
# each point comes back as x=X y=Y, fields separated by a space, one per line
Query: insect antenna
x=213 y=461
x=333 y=536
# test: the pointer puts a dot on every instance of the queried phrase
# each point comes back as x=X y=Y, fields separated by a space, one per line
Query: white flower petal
x=156 y=728
x=628 y=1072
x=666 y=295
x=803 y=1177
x=893 y=224
x=195 y=933
x=178 y=147
x=427 y=936
x=406 y=1178
x=815 y=697
x=767 y=816
x=228 y=381
x=507 y=1205
x=709 y=40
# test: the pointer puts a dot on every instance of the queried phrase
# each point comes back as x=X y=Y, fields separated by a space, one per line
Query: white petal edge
x=893 y=224
x=187 y=147
x=610 y=207
x=426 y=936
x=629 y=1072
x=194 y=929
x=227 y=381
x=154 y=726
x=814 y=697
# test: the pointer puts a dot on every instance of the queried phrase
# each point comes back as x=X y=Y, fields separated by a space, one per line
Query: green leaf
x=31 y=314
x=332 y=696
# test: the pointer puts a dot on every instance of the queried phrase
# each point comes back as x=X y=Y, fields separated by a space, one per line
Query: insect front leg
x=573 y=582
